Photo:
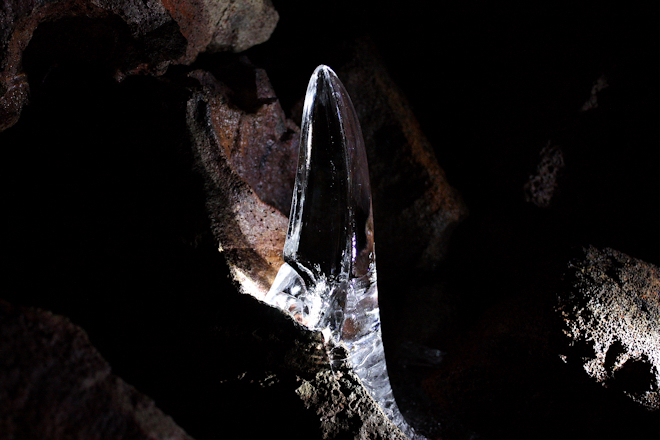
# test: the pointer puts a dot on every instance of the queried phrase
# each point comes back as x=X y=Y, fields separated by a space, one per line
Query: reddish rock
x=259 y=142
x=246 y=156
x=141 y=25
x=12 y=101
x=126 y=37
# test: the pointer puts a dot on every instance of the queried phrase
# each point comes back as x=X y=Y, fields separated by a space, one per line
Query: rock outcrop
x=125 y=37
x=612 y=316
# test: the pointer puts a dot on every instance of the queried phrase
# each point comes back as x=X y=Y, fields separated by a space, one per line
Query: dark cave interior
x=107 y=224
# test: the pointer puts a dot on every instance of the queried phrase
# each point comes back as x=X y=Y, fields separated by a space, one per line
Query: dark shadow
x=106 y=224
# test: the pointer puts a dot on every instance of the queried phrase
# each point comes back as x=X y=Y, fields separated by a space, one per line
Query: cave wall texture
x=149 y=158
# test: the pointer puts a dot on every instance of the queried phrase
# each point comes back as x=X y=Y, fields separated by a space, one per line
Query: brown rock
x=223 y=25
x=259 y=142
x=612 y=318
x=54 y=385
x=127 y=37
x=343 y=405
x=241 y=153
x=12 y=101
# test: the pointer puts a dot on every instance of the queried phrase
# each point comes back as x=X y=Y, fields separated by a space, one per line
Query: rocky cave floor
x=544 y=123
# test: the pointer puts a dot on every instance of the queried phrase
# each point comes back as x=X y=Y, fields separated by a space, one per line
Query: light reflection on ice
x=328 y=281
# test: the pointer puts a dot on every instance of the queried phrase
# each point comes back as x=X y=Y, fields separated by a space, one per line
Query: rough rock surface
x=233 y=147
x=259 y=142
x=612 y=317
x=344 y=406
x=54 y=385
x=128 y=37
x=599 y=85
x=222 y=25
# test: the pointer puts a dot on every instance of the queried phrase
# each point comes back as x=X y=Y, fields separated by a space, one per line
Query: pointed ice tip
x=323 y=89
x=325 y=71
x=330 y=226
x=324 y=76
x=323 y=68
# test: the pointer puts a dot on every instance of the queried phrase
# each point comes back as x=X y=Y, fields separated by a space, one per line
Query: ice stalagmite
x=328 y=280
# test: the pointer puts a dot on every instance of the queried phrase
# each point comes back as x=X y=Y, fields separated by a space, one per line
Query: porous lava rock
x=222 y=25
x=611 y=312
x=344 y=406
x=55 y=385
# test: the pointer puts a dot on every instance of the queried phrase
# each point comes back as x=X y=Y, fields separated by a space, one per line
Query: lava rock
x=225 y=25
x=234 y=147
x=54 y=385
x=258 y=140
x=344 y=406
x=542 y=186
x=599 y=85
x=612 y=318
x=127 y=37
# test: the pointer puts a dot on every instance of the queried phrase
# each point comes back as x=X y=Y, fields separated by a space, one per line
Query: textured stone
x=242 y=24
x=15 y=96
x=592 y=102
x=54 y=385
x=259 y=142
x=612 y=318
x=343 y=405
x=234 y=147
x=126 y=37
x=222 y=25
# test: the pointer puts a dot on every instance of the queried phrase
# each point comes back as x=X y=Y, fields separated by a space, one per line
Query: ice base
x=347 y=312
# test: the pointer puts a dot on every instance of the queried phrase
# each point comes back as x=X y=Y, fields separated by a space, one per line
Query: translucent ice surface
x=328 y=281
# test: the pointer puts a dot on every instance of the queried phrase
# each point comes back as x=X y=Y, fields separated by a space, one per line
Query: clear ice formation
x=328 y=280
